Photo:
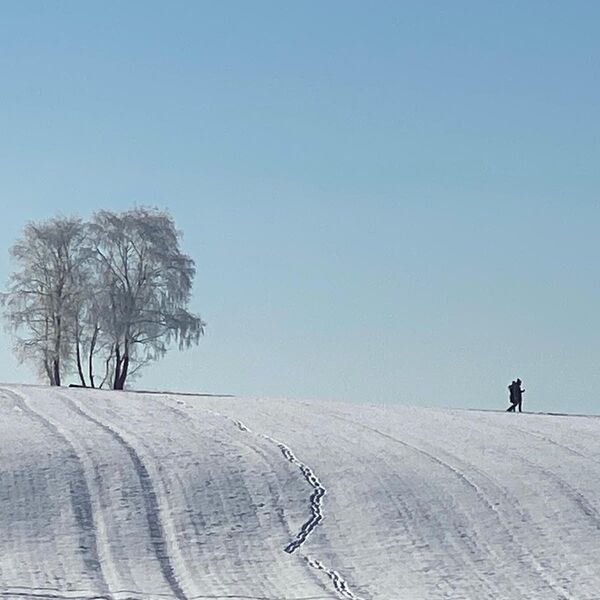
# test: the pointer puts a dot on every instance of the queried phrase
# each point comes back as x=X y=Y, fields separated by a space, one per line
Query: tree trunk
x=78 y=353
x=91 y=356
x=55 y=372
x=123 y=373
x=48 y=371
x=117 y=376
x=107 y=369
x=121 y=366
x=57 y=345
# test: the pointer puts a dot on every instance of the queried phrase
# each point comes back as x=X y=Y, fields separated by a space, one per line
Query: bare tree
x=102 y=299
x=143 y=290
x=43 y=293
x=90 y=341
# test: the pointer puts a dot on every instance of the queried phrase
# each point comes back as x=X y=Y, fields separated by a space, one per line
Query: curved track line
x=572 y=493
x=316 y=506
x=149 y=496
x=55 y=594
x=545 y=438
x=81 y=497
x=465 y=545
x=258 y=451
x=568 y=490
x=537 y=567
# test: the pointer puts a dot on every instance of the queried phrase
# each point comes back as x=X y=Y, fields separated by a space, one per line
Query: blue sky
x=386 y=201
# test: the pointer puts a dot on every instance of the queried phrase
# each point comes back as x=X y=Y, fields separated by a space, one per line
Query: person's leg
x=520 y=402
x=511 y=408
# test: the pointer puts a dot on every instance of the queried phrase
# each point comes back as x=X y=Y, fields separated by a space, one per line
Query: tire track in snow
x=56 y=594
x=549 y=440
x=464 y=552
x=245 y=568
x=317 y=515
x=337 y=580
x=266 y=458
x=150 y=499
x=567 y=489
x=316 y=505
x=81 y=497
x=537 y=568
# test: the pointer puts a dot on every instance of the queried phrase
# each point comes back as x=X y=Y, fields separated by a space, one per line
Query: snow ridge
x=316 y=508
x=316 y=498
x=155 y=526
x=81 y=496
x=386 y=503
x=526 y=556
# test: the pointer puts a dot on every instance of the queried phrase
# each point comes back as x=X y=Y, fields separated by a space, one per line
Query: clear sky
x=386 y=201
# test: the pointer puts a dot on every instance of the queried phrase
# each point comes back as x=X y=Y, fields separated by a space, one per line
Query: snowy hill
x=147 y=496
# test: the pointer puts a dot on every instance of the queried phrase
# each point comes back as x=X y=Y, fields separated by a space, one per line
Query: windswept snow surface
x=154 y=496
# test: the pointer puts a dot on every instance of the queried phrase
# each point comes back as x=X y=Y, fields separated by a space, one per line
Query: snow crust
x=118 y=495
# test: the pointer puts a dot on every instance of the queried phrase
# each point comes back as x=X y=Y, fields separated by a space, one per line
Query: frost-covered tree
x=100 y=299
x=90 y=342
x=143 y=287
x=44 y=294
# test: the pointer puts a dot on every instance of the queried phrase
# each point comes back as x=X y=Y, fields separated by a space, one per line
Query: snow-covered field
x=147 y=496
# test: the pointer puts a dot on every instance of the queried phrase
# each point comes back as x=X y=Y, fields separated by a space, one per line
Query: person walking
x=511 y=392
x=516 y=396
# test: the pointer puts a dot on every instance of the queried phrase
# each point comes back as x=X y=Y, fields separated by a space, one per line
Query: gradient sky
x=386 y=201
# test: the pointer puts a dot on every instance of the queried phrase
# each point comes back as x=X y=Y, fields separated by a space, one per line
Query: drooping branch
x=114 y=292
